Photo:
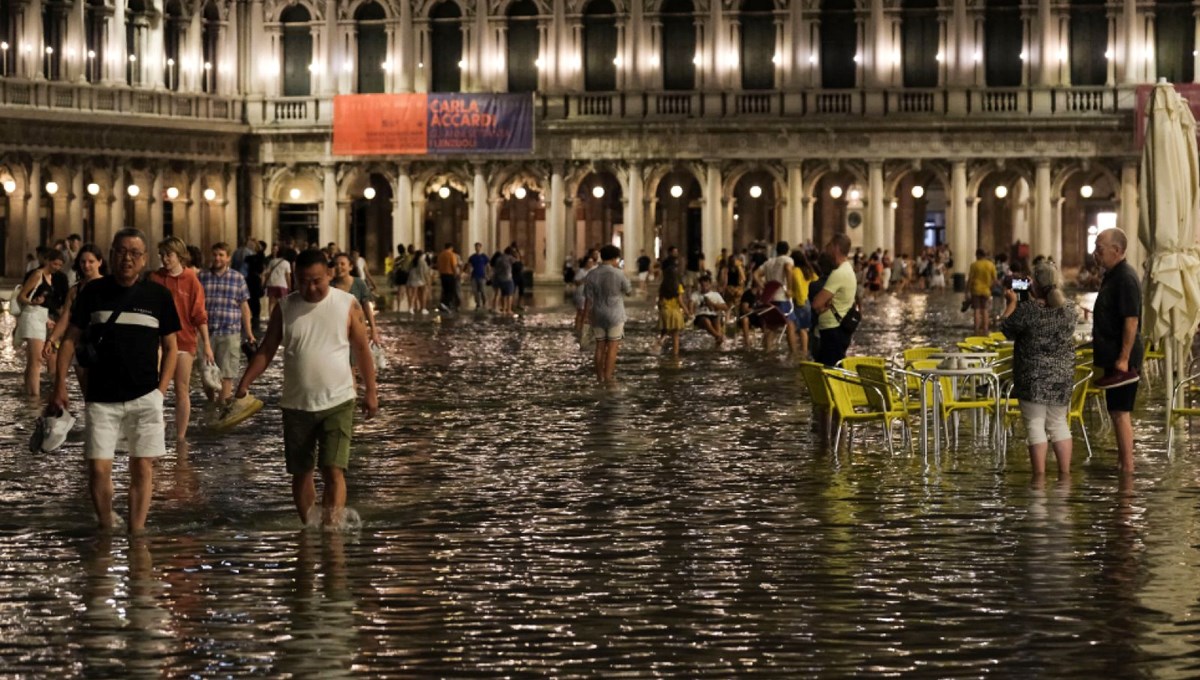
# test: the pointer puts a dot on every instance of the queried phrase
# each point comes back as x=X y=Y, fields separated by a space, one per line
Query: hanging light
x=52 y=188
x=598 y=191
x=369 y=193
x=93 y=188
x=855 y=195
x=755 y=191
x=519 y=193
x=172 y=193
x=444 y=192
x=133 y=190
x=676 y=191
x=835 y=191
x=210 y=195
x=1001 y=191
x=918 y=191
x=1086 y=191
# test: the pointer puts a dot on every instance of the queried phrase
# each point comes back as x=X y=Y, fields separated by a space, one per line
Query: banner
x=412 y=124
x=1189 y=91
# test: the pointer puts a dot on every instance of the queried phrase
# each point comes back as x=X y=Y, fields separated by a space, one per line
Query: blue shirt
x=479 y=263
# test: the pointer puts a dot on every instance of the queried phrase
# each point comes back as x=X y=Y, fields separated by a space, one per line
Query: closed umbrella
x=1169 y=212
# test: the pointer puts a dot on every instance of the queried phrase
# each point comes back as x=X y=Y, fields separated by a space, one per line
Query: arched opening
x=446 y=46
x=523 y=222
x=598 y=215
x=839 y=45
x=524 y=46
x=998 y=205
x=678 y=45
x=678 y=220
x=1175 y=41
x=54 y=25
x=446 y=217
x=137 y=24
x=1002 y=41
x=95 y=28
x=371 y=36
x=1089 y=42
x=297 y=52
x=600 y=47
x=921 y=43
x=1089 y=207
x=838 y=207
x=755 y=210
x=920 y=218
x=174 y=28
x=758 y=44
x=210 y=39
x=299 y=221
x=371 y=221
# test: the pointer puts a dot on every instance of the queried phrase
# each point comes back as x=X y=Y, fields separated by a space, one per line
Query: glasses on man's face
x=131 y=254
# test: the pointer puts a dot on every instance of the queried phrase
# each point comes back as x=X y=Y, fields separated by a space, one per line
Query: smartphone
x=1020 y=285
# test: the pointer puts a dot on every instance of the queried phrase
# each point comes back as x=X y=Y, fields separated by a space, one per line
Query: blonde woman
x=177 y=276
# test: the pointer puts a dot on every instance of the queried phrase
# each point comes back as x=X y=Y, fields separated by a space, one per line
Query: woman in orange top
x=193 y=322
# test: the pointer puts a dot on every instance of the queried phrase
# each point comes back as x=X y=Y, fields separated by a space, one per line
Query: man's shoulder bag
x=853 y=317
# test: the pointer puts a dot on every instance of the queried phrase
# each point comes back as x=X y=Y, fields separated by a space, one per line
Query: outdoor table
x=927 y=374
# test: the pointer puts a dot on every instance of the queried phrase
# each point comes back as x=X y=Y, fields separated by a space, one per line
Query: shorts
x=981 y=301
x=698 y=322
x=611 y=334
x=506 y=288
x=786 y=309
x=227 y=350
x=277 y=292
x=1120 y=399
x=139 y=421
x=31 y=324
x=803 y=315
x=1045 y=422
x=643 y=276
x=317 y=437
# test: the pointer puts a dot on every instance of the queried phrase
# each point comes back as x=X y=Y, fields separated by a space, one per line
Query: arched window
x=8 y=35
x=758 y=45
x=678 y=45
x=919 y=35
x=210 y=38
x=600 y=46
x=174 y=27
x=1002 y=40
x=446 y=48
x=54 y=23
x=839 y=45
x=372 y=47
x=95 y=28
x=524 y=44
x=1089 y=41
x=136 y=25
x=297 y=52
x=1174 y=41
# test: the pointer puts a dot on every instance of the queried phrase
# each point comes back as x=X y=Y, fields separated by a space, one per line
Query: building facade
x=705 y=124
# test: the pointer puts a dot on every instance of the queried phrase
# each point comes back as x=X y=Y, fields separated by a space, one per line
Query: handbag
x=88 y=351
x=849 y=322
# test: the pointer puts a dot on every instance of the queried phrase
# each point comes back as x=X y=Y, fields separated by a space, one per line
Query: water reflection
x=519 y=521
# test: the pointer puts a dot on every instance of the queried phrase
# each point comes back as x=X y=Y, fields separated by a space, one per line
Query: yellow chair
x=818 y=391
x=952 y=404
x=1180 y=407
x=997 y=336
x=891 y=397
x=843 y=386
x=976 y=343
x=916 y=354
x=852 y=363
x=1154 y=361
x=1079 y=396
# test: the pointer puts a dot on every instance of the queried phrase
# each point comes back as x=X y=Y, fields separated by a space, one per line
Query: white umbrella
x=1169 y=209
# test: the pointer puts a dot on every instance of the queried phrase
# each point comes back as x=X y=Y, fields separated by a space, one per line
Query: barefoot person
x=127 y=324
x=604 y=291
x=319 y=327
x=1117 y=339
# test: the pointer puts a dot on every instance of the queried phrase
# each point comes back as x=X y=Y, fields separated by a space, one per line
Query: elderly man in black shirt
x=1117 y=338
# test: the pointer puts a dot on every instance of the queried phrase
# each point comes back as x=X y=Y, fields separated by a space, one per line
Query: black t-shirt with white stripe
x=128 y=355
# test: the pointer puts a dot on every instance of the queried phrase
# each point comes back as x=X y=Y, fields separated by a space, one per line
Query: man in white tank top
x=319 y=326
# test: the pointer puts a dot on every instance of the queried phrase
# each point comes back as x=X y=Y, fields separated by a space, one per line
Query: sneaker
x=1117 y=379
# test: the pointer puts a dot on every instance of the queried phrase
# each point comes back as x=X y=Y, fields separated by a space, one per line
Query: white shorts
x=31 y=324
x=139 y=421
x=614 y=333
x=1045 y=422
x=642 y=276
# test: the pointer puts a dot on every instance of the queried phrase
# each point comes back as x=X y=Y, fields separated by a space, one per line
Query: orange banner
x=374 y=124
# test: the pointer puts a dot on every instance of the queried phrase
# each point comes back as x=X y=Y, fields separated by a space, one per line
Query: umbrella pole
x=1169 y=381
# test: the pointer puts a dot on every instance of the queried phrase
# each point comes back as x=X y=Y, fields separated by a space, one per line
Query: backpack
x=14 y=303
x=872 y=273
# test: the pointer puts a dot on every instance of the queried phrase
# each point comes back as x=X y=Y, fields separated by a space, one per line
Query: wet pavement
x=519 y=521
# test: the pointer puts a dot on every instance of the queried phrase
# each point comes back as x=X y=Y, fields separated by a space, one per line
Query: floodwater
x=518 y=521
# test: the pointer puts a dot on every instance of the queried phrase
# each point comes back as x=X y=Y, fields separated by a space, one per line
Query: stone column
x=958 y=216
x=194 y=231
x=156 y=207
x=633 y=240
x=342 y=231
x=479 y=211
x=555 y=217
x=1132 y=63
x=74 y=46
x=807 y=228
x=1020 y=198
x=1047 y=65
x=1042 y=211
x=793 y=218
x=1055 y=249
x=116 y=203
x=889 y=224
x=33 y=209
x=329 y=204
x=402 y=231
x=873 y=238
x=229 y=208
x=972 y=228
x=75 y=199
x=418 y=222
x=711 y=222
x=1127 y=219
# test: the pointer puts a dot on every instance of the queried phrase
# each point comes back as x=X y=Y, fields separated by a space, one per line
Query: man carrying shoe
x=1117 y=339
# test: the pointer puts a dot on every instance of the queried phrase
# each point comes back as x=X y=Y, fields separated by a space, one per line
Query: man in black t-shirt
x=1117 y=339
x=127 y=379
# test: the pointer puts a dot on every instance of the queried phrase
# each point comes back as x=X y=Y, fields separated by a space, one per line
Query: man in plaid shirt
x=226 y=298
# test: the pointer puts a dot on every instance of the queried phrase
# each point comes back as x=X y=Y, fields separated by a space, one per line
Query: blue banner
x=468 y=123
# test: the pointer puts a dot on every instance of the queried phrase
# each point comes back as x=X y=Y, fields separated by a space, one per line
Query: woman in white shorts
x=41 y=294
x=418 y=280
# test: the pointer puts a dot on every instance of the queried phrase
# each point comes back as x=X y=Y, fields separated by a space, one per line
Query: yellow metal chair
x=843 y=386
x=976 y=343
x=1079 y=396
x=916 y=354
x=818 y=391
x=891 y=398
x=952 y=404
x=1181 y=406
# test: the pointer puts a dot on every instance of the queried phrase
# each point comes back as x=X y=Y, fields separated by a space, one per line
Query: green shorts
x=318 y=437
